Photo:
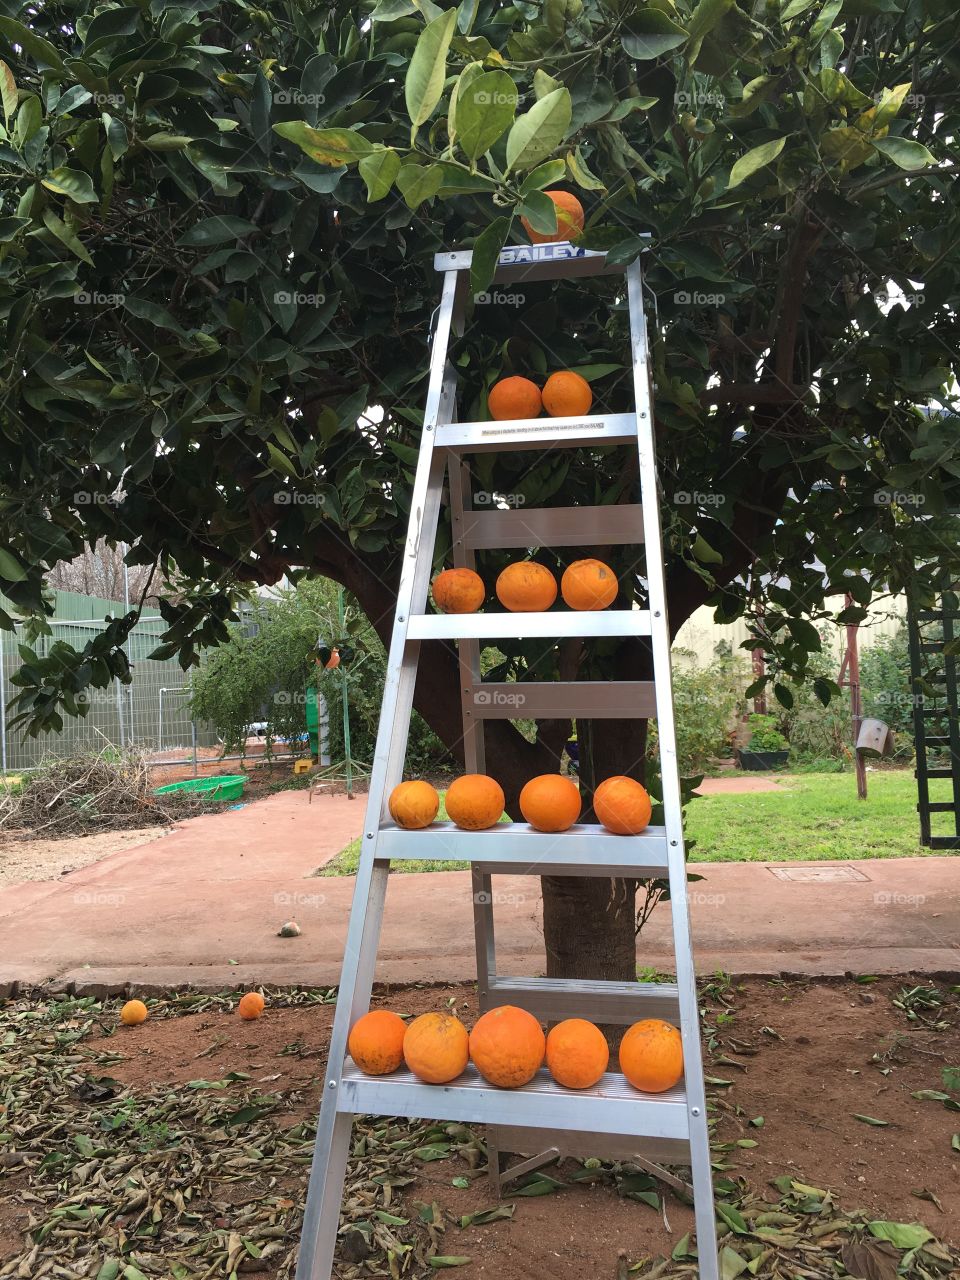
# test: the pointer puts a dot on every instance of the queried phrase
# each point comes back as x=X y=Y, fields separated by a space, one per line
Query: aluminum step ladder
x=542 y=1119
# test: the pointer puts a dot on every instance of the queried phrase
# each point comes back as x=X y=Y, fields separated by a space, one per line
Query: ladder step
x=529 y=626
x=941 y=806
x=497 y=529
x=612 y=1106
x=939 y=711
x=937 y=740
x=514 y=848
x=538 y=433
x=942 y=773
x=932 y=646
x=596 y=699
x=944 y=842
x=527 y=263
x=552 y=999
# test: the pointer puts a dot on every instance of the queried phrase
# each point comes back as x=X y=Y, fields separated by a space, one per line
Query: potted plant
x=767 y=748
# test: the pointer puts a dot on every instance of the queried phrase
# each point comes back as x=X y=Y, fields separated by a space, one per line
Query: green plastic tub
x=230 y=788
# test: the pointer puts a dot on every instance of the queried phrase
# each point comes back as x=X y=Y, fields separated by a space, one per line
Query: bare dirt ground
x=22 y=860
x=815 y=1080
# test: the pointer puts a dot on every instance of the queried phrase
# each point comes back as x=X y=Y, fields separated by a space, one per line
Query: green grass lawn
x=814 y=817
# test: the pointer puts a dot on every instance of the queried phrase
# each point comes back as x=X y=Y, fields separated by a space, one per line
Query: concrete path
x=202 y=908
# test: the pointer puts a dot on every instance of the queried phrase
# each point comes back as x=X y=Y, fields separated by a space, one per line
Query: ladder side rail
x=670 y=782
x=919 y=724
x=461 y=503
x=953 y=725
x=331 y=1148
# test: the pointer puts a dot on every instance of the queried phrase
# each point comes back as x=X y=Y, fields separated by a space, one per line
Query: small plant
x=764 y=734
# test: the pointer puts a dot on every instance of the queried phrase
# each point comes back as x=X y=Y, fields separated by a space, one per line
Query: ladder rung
x=538 y=433
x=612 y=1106
x=514 y=848
x=529 y=626
x=579 y=699
x=939 y=711
x=941 y=773
x=935 y=740
x=526 y=263
x=497 y=529
x=574 y=1142
x=552 y=999
x=932 y=646
x=941 y=806
x=944 y=842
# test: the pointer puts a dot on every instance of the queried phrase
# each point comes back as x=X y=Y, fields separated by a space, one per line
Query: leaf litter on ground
x=124 y=1183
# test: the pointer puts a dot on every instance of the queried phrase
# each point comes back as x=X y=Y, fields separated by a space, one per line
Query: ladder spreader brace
x=542 y=1120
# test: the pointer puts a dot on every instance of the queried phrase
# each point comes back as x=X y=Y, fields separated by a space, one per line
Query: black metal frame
x=925 y=687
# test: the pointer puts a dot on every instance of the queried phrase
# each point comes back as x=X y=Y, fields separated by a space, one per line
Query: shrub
x=705 y=709
x=764 y=734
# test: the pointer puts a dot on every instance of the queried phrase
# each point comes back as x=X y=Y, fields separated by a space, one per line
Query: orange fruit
x=334 y=661
x=569 y=219
x=514 y=398
x=474 y=802
x=550 y=802
x=251 y=1006
x=567 y=395
x=526 y=587
x=577 y=1053
x=458 y=591
x=413 y=805
x=651 y=1055
x=133 y=1013
x=622 y=806
x=589 y=584
x=375 y=1042
x=507 y=1046
x=436 y=1047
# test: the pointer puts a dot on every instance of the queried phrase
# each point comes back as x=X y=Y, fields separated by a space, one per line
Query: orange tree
x=216 y=241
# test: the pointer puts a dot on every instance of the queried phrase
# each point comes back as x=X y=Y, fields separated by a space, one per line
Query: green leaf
x=379 y=171
x=485 y=111
x=65 y=235
x=783 y=695
x=72 y=183
x=732 y=1217
x=905 y=1235
x=42 y=50
x=8 y=92
x=756 y=158
x=540 y=212
x=450 y=1260
x=419 y=182
x=704 y=18
x=423 y=87
x=824 y=22
x=486 y=251
x=581 y=174
x=955 y=1142
x=545 y=175
x=904 y=152
x=648 y=34
x=537 y=134
x=795 y=7
x=326 y=146
x=872 y=1120
x=217 y=230
x=11 y=570
x=167 y=142
x=731 y=1263
x=703 y=551
x=951 y=1079
x=544 y=83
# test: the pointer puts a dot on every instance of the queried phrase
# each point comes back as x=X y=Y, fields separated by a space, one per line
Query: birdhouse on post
x=875 y=739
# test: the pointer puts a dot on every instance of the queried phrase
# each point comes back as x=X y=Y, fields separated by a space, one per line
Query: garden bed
x=192 y=1136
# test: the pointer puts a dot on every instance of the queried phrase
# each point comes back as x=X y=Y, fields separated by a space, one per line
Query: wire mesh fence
x=152 y=712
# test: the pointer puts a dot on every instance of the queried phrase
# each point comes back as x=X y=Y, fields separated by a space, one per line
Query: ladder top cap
x=536 y=261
